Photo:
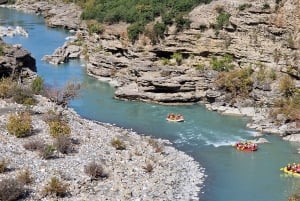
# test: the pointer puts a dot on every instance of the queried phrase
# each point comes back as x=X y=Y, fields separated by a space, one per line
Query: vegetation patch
x=95 y=171
x=237 y=82
x=37 y=85
x=11 y=190
x=19 y=124
x=24 y=177
x=139 y=13
x=6 y=86
x=222 y=64
x=47 y=152
x=118 y=144
x=56 y=187
x=59 y=128
x=34 y=144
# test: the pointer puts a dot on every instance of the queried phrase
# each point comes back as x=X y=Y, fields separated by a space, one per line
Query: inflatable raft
x=290 y=172
x=246 y=146
x=175 y=118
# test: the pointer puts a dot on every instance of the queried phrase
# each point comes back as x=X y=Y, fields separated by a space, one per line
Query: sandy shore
x=175 y=175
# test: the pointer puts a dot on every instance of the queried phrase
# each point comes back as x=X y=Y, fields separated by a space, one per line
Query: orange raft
x=175 y=117
x=246 y=146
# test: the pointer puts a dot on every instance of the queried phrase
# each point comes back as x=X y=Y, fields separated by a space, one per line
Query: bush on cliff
x=23 y=95
x=59 y=128
x=237 y=82
x=37 y=85
x=289 y=107
x=19 y=124
x=6 y=86
x=138 y=12
x=222 y=64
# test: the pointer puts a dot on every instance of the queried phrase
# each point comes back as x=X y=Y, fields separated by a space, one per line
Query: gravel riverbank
x=175 y=175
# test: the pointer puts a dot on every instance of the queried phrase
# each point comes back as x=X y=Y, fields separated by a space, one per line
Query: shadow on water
x=206 y=136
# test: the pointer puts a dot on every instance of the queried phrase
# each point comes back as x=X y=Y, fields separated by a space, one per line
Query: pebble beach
x=174 y=175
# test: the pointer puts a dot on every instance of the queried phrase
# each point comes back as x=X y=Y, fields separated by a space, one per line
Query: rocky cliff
x=256 y=41
x=16 y=62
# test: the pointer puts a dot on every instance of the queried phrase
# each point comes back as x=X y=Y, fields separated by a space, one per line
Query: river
x=205 y=135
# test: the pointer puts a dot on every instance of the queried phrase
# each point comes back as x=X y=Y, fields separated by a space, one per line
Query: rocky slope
x=263 y=35
x=16 y=62
x=175 y=176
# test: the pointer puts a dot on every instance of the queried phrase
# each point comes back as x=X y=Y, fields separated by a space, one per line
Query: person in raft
x=174 y=116
x=293 y=168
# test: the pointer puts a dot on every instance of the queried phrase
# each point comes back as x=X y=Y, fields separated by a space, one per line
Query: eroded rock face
x=16 y=61
x=260 y=34
x=255 y=36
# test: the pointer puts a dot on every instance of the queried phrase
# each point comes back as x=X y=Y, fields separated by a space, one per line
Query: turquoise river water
x=205 y=135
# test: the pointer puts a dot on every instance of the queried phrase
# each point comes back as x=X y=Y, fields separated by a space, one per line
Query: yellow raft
x=290 y=172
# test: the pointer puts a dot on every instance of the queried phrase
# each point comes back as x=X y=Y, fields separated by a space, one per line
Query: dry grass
x=33 y=145
x=3 y=165
x=25 y=177
x=11 y=190
x=95 y=171
x=56 y=187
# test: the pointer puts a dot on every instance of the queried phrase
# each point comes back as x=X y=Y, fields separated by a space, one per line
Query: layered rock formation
x=263 y=35
x=16 y=62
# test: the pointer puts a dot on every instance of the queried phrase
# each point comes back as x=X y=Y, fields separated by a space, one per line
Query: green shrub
x=118 y=144
x=182 y=23
x=165 y=61
x=47 y=152
x=289 y=107
x=19 y=124
x=138 y=13
x=59 y=128
x=222 y=64
x=287 y=86
x=200 y=67
x=11 y=190
x=56 y=187
x=178 y=58
x=222 y=20
x=159 y=29
x=94 y=27
x=37 y=85
x=237 y=82
x=134 y=31
x=272 y=74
